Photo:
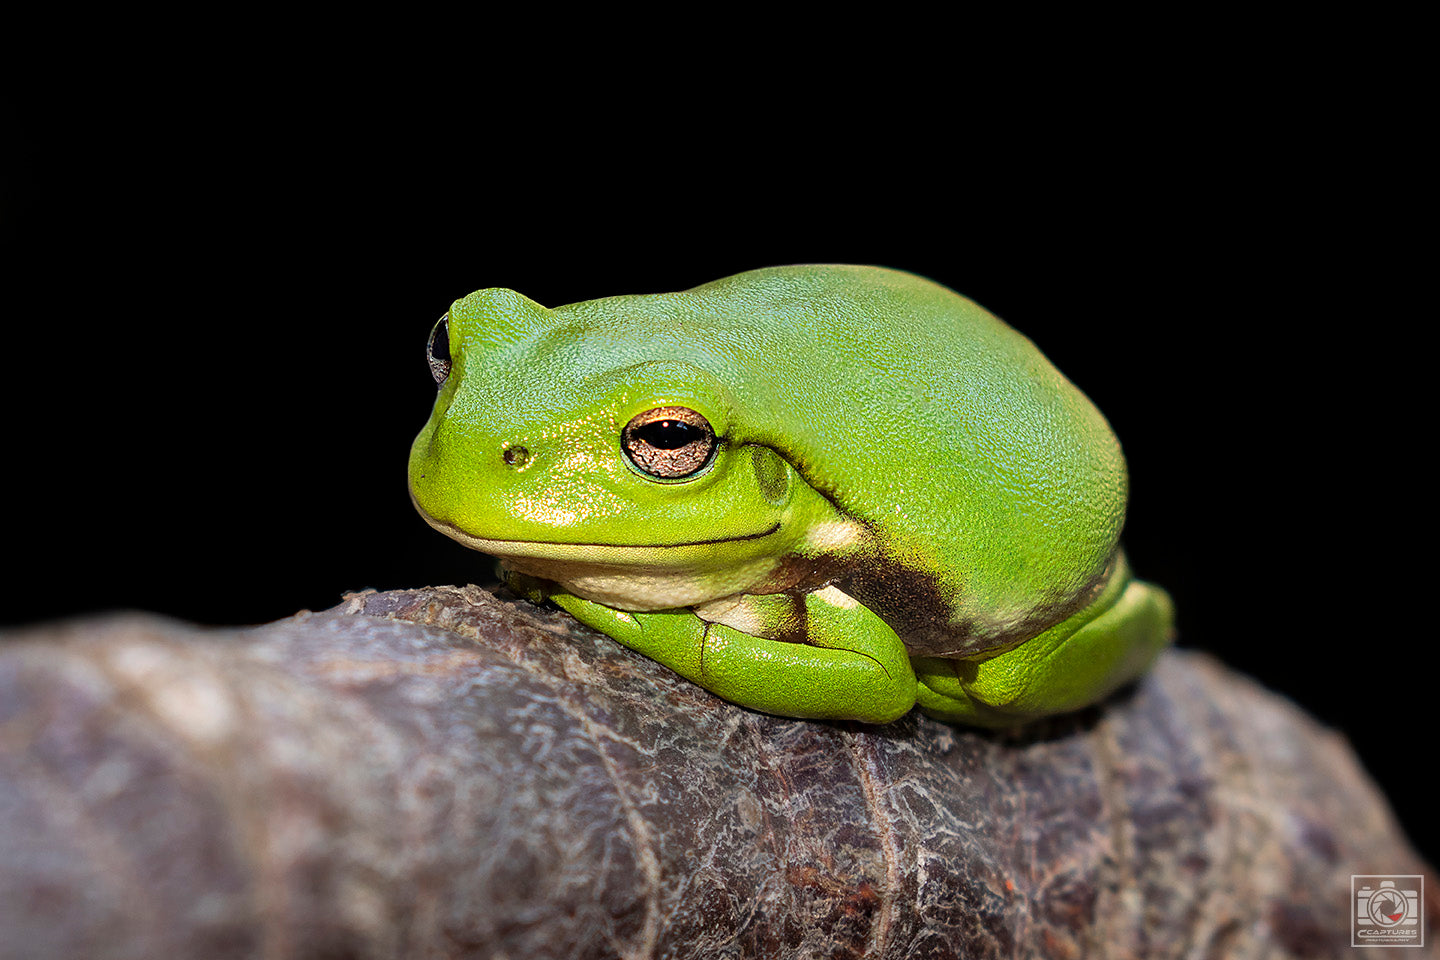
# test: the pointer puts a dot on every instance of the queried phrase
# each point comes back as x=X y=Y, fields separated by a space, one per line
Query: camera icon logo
x=1387 y=911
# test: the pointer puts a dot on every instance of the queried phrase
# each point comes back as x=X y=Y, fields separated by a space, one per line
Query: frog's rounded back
x=992 y=485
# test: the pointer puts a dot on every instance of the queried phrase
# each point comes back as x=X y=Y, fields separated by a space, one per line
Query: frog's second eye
x=437 y=351
x=668 y=442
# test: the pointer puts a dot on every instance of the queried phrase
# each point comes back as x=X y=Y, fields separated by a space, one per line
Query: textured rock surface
x=436 y=773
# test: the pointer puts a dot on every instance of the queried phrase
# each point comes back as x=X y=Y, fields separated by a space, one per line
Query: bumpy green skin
x=907 y=505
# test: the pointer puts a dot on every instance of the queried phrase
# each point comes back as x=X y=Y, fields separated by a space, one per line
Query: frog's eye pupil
x=669 y=443
x=667 y=434
x=437 y=351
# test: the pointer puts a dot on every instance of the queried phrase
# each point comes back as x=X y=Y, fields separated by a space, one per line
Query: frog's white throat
x=643 y=587
x=627 y=577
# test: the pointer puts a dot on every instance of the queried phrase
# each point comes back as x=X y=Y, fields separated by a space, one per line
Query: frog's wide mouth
x=580 y=550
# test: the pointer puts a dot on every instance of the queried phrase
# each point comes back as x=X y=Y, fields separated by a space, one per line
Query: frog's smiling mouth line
x=450 y=530
x=641 y=546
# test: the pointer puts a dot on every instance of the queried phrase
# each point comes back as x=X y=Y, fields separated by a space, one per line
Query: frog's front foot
x=840 y=673
x=526 y=587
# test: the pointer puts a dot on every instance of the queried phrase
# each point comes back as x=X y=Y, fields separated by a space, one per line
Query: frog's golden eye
x=668 y=442
x=437 y=351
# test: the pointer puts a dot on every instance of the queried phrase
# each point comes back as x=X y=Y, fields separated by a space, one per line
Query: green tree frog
x=816 y=491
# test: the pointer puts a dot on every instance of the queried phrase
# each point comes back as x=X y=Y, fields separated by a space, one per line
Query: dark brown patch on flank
x=915 y=606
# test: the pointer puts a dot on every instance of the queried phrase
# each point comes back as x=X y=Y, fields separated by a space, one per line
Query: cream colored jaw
x=627 y=578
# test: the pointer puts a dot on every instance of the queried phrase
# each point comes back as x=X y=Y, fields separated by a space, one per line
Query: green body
x=903 y=501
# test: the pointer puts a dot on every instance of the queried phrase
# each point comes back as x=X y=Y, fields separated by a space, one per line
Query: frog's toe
x=940 y=694
x=526 y=587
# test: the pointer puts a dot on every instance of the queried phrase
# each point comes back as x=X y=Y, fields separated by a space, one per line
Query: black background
x=217 y=310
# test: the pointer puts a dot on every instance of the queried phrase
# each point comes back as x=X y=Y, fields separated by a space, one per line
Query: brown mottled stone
x=439 y=773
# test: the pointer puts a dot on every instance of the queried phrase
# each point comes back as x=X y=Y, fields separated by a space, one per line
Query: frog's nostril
x=515 y=456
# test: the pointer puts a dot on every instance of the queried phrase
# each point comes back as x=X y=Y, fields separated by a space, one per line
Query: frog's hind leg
x=852 y=665
x=1077 y=662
